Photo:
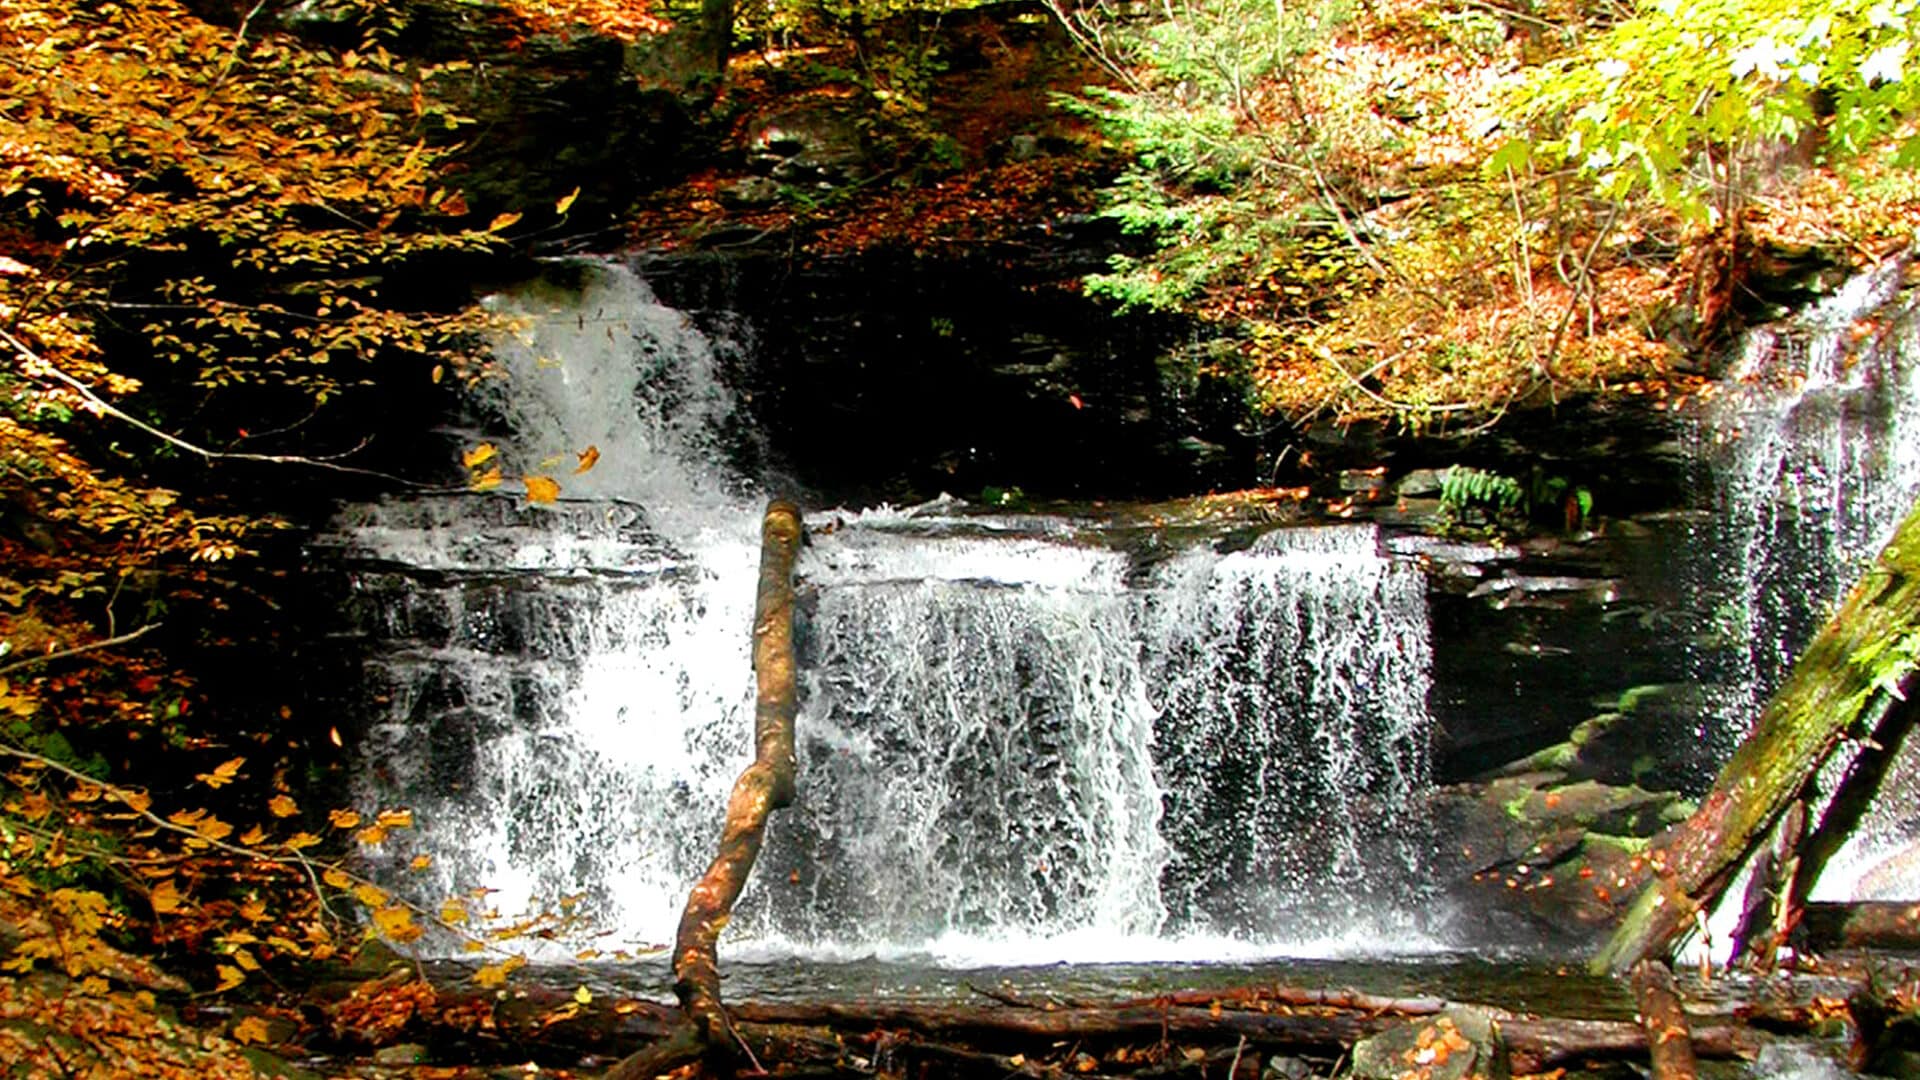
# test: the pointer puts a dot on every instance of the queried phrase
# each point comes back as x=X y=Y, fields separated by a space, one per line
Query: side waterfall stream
x=1023 y=738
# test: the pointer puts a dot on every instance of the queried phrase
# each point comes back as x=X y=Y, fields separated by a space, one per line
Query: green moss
x=1677 y=810
x=1631 y=845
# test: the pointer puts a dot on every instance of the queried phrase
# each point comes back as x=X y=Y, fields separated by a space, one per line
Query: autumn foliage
x=211 y=232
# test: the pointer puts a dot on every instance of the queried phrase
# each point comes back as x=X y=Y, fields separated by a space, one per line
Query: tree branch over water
x=765 y=786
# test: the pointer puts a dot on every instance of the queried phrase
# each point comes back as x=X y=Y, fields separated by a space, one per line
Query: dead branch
x=1669 y=1036
x=765 y=786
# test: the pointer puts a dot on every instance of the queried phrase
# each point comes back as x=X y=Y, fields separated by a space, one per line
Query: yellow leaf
x=453 y=912
x=250 y=1030
x=541 y=489
x=566 y=201
x=230 y=977
x=396 y=819
x=496 y=974
x=478 y=456
x=253 y=836
x=336 y=877
x=222 y=774
x=245 y=960
x=343 y=819
x=588 y=459
x=486 y=481
x=371 y=835
x=301 y=840
x=282 y=806
x=420 y=862
x=583 y=995
x=370 y=895
x=503 y=221
x=396 y=923
x=165 y=897
x=439 y=371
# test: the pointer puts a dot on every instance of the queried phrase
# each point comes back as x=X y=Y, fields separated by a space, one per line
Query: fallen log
x=550 y=1025
x=1868 y=925
x=1537 y=1045
x=1828 y=694
x=1245 y=996
x=765 y=786
x=1669 y=1035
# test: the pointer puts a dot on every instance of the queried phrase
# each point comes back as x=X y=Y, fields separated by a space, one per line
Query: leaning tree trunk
x=1830 y=693
x=765 y=786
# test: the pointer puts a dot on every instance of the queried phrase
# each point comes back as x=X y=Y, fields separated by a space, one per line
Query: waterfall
x=1019 y=739
x=1814 y=458
x=1292 y=682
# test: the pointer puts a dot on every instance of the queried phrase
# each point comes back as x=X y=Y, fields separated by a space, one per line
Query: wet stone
x=1459 y=1044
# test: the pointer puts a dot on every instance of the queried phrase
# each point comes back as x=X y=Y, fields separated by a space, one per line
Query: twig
x=104 y=643
x=1582 y=284
x=40 y=365
x=1521 y=16
x=1397 y=406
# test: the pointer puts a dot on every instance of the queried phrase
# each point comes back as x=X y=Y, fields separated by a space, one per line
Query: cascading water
x=1320 y=767
x=1017 y=739
x=1815 y=456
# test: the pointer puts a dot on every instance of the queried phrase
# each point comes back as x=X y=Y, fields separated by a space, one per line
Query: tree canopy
x=212 y=228
x=1431 y=211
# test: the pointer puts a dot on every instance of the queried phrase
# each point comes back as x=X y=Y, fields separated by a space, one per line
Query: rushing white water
x=1017 y=741
x=1816 y=458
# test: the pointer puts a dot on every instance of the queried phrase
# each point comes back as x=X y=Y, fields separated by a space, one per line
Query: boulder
x=817 y=143
x=1458 y=1044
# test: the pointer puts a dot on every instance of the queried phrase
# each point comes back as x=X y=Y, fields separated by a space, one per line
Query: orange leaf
x=503 y=221
x=477 y=456
x=588 y=459
x=343 y=819
x=566 y=201
x=165 y=897
x=541 y=489
x=222 y=773
x=250 y=1030
x=282 y=806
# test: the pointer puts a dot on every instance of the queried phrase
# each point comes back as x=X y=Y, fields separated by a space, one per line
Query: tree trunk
x=716 y=29
x=765 y=786
x=1827 y=696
